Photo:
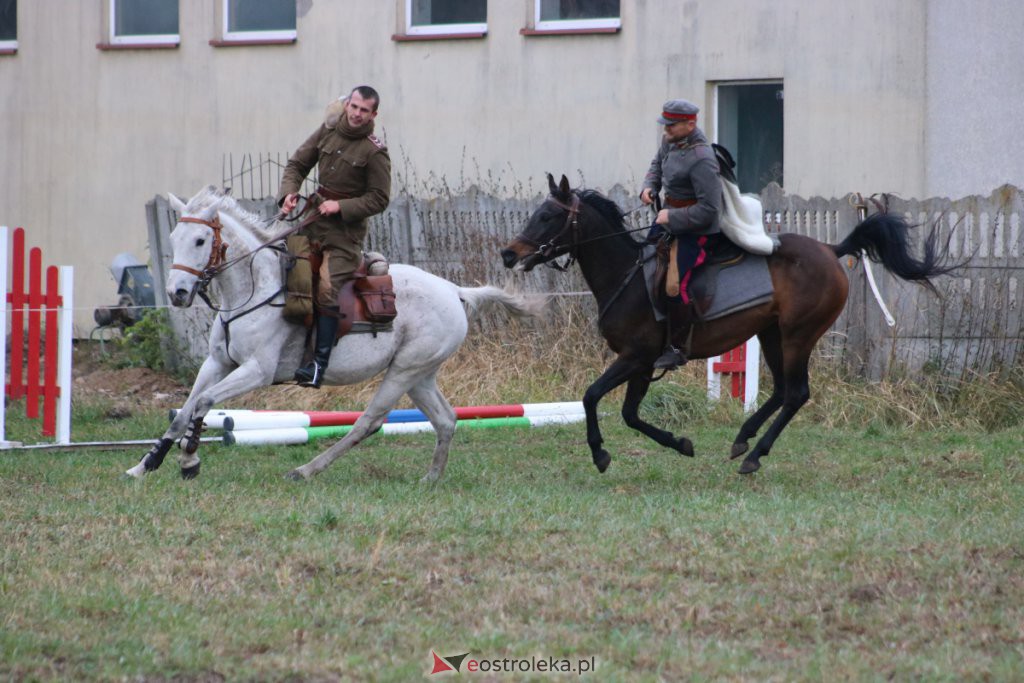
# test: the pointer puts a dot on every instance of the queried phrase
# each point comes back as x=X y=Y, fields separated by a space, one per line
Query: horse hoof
x=190 y=472
x=295 y=475
x=750 y=466
x=430 y=478
x=738 y=449
x=602 y=460
x=684 y=446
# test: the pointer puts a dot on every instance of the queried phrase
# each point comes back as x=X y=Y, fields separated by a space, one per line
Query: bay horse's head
x=198 y=246
x=551 y=231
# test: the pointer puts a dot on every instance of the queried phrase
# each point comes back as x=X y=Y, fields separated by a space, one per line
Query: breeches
x=689 y=251
x=338 y=265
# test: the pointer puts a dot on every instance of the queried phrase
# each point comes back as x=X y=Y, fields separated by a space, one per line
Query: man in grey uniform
x=685 y=166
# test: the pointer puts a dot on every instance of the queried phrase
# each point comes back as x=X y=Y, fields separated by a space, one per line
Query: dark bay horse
x=810 y=292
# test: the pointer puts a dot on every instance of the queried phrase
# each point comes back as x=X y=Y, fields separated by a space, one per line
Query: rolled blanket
x=742 y=221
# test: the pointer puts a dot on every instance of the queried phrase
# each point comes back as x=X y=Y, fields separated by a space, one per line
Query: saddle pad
x=738 y=287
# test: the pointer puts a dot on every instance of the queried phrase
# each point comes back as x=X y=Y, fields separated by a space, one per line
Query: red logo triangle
x=440 y=665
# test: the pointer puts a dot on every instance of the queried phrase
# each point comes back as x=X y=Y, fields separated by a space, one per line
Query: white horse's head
x=197 y=244
x=206 y=224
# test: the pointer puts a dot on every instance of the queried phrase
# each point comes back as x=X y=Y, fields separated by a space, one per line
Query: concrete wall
x=975 y=96
x=91 y=135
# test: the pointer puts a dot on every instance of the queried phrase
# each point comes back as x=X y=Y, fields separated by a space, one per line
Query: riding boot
x=680 y=325
x=312 y=373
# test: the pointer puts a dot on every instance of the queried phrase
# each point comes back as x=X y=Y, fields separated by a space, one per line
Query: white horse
x=217 y=244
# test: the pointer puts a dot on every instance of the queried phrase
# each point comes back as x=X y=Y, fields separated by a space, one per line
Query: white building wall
x=89 y=135
x=975 y=96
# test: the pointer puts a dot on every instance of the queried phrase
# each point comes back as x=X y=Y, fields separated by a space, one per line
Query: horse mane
x=607 y=209
x=211 y=196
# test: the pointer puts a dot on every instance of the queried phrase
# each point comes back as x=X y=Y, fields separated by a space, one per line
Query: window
x=144 y=22
x=445 y=17
x=8 y=26
x=749 y=117
x=561 y=15
x=259 y=20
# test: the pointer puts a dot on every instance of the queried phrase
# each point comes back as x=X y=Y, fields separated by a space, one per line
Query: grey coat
x=688 y=170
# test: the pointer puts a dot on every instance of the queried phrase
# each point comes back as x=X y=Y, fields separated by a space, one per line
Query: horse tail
x=884 y=239
x=479 y=299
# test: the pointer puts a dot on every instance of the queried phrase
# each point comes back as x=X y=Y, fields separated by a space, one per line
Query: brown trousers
x=338 y=265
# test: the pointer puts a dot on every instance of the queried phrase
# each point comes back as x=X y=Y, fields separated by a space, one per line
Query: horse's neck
x=606 y=262
x=248 y=280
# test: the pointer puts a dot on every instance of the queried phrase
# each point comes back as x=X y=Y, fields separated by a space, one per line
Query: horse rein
x=218 y=251
x=571 y=225
x=217 y=262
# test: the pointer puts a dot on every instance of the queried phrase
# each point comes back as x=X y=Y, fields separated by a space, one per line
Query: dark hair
x=368 y=93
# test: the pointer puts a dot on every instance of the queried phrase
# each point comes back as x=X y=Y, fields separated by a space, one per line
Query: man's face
x=678 y=130
x=359 y=111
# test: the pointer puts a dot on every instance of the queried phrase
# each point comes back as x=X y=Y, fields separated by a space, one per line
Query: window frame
x=157 y=39
x=603 y=24
x=714 y=91
x=251 y=37
x=10 y=47
x=473 y=29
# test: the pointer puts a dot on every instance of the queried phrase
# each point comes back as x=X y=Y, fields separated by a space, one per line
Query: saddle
x=667 y=276
x=366 y=303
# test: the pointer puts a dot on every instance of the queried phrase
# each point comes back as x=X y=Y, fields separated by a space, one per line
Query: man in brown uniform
x=355 y=183
x=686 y=167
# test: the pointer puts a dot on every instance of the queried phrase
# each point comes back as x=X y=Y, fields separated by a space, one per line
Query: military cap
x=675 y=111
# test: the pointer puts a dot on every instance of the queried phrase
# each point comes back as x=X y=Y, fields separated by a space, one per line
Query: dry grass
x=558 y=357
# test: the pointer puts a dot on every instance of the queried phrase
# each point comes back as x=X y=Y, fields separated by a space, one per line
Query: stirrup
x=310 y=375
x=670 y=359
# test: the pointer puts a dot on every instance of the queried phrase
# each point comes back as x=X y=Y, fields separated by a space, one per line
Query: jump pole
x=287 y=436
x=744 y=374
x=237 y=419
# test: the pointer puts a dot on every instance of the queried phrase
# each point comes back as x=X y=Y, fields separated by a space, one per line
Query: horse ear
x=551 y=184
x=563 y=186
x=176 y=203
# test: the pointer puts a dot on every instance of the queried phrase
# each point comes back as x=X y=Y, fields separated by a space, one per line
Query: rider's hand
x=329 y=207
x=645 y=196
x=662 y=218
x=289 y=203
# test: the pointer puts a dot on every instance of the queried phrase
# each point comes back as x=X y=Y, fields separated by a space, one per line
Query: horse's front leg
x=618 y=372
x=248 y=376
x=209 y=374
x=635 y=392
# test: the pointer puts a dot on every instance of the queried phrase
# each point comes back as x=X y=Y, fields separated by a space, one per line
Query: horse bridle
x=571 y=225
x=218 y=250
x=547 y=250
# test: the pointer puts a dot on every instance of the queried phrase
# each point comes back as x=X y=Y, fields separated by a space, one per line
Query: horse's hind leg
x=771 y=346
x=797 y=393
x=432 y=403
x=395 y=383
x=635 y=392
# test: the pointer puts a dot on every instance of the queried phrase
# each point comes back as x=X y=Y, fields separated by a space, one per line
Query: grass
x=855 y=554
x=881 y=539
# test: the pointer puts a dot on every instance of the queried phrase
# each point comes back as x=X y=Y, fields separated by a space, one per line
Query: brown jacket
x=351 y=163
